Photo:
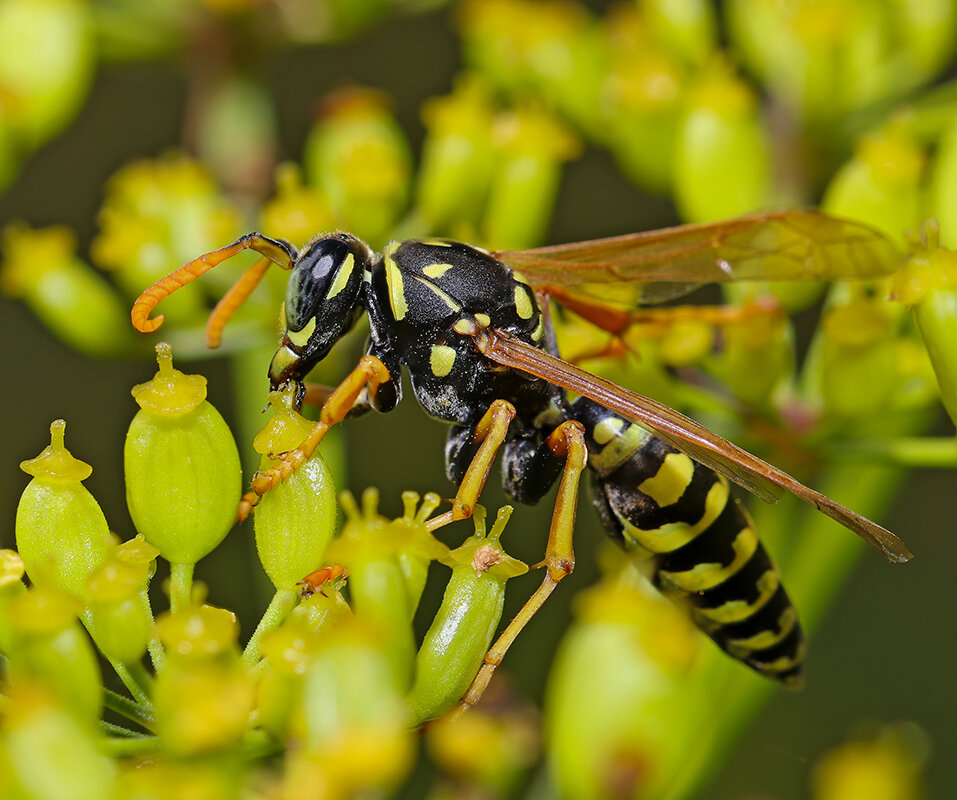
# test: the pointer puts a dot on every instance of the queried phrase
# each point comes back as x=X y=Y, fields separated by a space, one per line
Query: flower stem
x=917 y=451
x=280 y=605
x=127 y=708
x=180 y=586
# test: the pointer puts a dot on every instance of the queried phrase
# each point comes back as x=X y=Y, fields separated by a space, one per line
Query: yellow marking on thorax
x=523 y=303
x=301 y=338
x=394 y=282
x=436 y=271
x=539 y=329
x=677 y=534
x=484 y=320
x=436 y=242
x=706 y=576
x=440 y=294
x=441 y=359
x=517 y=276
x=741 y=648
x=738 y=610
x=342 y=276
x=667 y=485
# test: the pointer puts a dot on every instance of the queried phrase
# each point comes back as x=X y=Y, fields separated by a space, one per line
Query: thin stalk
x=127 y=708
x=180 y=586
x=140 y=691
x=279 y=607
x=917 y=451
x=119 y=730
x=129 y=745
x=155 y=646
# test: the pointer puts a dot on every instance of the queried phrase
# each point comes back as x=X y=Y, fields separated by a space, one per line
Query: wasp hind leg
x=567 y=445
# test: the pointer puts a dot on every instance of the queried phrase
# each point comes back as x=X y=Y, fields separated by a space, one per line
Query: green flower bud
x=532 y=146
x=378 y=588
x=356 y=722
x=765 y=339
x=688 y=28
x=643 y=92
x=51 y=753
x=723 y=155
x=296 y=520
x=490 y=747
x=928 y=283
x=553 y=50
x=358 y=157
x=457 y=157
x=47 y=59
x=11 y=587
x=297 y=211
x=51 y=649
x=418 y=548
x=183 y=478
x=881 y=184
x=236 y=133
x=203 y=695
x=463 y=628
x=68 y=295
x=858 y=358
x=888 y=765
x=943 y=188
x=928 y=34
x=120 y=609
x=159 y=212
x=62 y=535
x=619 y=718
x=288 y=651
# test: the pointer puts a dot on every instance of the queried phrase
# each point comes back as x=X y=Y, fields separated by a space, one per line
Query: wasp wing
x=757 y=476
x=660 y=265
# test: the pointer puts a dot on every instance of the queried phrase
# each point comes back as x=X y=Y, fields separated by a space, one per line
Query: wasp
x=471 y=328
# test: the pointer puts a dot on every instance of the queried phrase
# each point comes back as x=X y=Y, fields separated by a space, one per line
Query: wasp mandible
x=472 y=330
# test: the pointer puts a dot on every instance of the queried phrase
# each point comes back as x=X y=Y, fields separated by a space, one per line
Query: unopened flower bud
x=183 y=477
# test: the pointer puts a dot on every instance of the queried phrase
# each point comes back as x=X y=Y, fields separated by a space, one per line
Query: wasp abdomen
x=698 y=540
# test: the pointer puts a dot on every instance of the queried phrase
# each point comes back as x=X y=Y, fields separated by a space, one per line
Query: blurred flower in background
x=507 y=124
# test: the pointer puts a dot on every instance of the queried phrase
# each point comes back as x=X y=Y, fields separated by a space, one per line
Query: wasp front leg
x=368 y=376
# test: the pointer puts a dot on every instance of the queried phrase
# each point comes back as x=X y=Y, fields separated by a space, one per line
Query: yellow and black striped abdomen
x=698 y=539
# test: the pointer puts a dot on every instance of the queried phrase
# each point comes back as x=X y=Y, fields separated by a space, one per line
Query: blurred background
x=210 y=96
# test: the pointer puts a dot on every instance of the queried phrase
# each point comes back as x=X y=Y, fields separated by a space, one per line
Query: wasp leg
x=232 y=300
x=617 y=321
x=490 y=433
x=567 y=442
x=276 y=250
x=369 y=372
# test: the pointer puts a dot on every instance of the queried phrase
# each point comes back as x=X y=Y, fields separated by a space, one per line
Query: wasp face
x=322 y=303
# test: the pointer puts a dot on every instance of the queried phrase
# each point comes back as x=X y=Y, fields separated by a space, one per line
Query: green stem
x=127 y=708
x=119 y=731
x=279 y=607
x=130 y=745
x=140 y=691
x=155 y=646
x=180 y=586
x=939 y=452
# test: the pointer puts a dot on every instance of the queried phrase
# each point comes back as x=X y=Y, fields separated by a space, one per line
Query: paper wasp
x=471 y=327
